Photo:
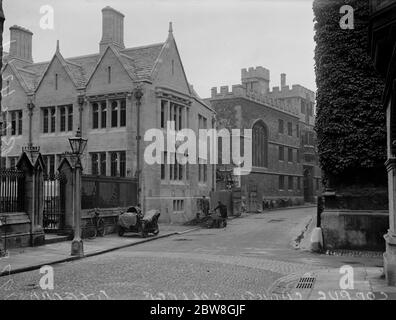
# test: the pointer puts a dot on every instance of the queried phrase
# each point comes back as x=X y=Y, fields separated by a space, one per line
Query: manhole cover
x=305 y=283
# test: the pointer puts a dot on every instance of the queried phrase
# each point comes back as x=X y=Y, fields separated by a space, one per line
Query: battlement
x=239 y=91
x=255 y=73
x=295 y=91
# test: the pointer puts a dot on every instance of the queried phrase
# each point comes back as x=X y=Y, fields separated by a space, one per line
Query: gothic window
x=260 y=145
x=280 y=126
x=49 y=118
x=16 y=122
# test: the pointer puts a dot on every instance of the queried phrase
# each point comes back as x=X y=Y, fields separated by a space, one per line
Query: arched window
x=260 y=144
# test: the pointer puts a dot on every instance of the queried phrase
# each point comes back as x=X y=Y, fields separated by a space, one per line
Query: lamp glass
x=78 y=145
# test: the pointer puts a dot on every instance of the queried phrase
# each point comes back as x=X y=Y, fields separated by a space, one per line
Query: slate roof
x=138 y=61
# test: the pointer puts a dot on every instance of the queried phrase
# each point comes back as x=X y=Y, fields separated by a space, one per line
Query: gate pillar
x=33 y=195
x=66 y=169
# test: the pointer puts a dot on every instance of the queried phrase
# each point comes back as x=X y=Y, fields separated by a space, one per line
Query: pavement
x=31 y=258
x=362 y=278
x=258 y=256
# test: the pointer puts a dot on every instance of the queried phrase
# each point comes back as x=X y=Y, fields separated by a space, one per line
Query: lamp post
x=138 y=93
x=77 y=145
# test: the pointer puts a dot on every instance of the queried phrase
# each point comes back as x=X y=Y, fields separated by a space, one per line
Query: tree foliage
x=350 y=122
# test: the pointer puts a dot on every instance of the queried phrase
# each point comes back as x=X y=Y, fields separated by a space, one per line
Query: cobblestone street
x=242 y=261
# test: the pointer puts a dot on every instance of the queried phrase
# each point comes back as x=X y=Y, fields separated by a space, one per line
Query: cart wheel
x=121 y=231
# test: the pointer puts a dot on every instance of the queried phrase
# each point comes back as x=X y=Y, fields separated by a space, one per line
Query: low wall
x=354 y=229
x=16 y=231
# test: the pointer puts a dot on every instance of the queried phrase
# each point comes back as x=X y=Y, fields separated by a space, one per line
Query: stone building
x=45 y=103
x=382 y=35
x=285 y=166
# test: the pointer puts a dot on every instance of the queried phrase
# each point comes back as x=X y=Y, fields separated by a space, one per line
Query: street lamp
x=77 y=145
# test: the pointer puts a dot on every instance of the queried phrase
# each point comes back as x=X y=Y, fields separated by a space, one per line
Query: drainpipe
x=138 y=94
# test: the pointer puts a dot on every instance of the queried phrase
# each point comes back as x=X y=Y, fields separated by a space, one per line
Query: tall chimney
x=112 y=29
x=21 y=44
x=283 y=80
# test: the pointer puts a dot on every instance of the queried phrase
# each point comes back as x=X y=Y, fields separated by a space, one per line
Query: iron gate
x=54 y=202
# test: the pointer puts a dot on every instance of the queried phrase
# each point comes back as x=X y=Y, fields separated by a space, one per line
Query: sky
x=215 y=38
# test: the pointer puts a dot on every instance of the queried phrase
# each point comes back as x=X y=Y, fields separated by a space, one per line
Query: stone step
x=54 y=238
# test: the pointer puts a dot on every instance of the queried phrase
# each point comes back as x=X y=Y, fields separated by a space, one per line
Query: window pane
x=114 y=114
x=113 y=164
x=290 y=183
x=51 y=164
x=163 y=108
x=122 y=164
x=13 y=123
x=62 y=119
x=123 y=113
x=280 y=124
x=103 y=108
x=103 y=164
x=94 y=164
x=180 y=118
x=281 y=182
x=53 y=119
x=163 y=167
x=45 y=120
x=70 y=118
x=281 y=153
x=95 y=116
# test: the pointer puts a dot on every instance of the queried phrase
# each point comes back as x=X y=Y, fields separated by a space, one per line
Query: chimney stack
x=283 y=80
x=21 y=44
x=112 y=29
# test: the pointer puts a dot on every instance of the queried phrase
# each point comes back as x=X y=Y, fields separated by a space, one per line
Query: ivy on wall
x=350 y=122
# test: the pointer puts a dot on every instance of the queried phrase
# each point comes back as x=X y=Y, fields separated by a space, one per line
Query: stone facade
x=287 y=116
x=45 y=103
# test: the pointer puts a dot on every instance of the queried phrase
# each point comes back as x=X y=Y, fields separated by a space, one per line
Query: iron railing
x=12 y=182
x=54 y=202
x=108 y=192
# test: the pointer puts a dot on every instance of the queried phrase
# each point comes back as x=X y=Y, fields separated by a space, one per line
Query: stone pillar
x=66 y=169
x=34 y=196
x=390 y=237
